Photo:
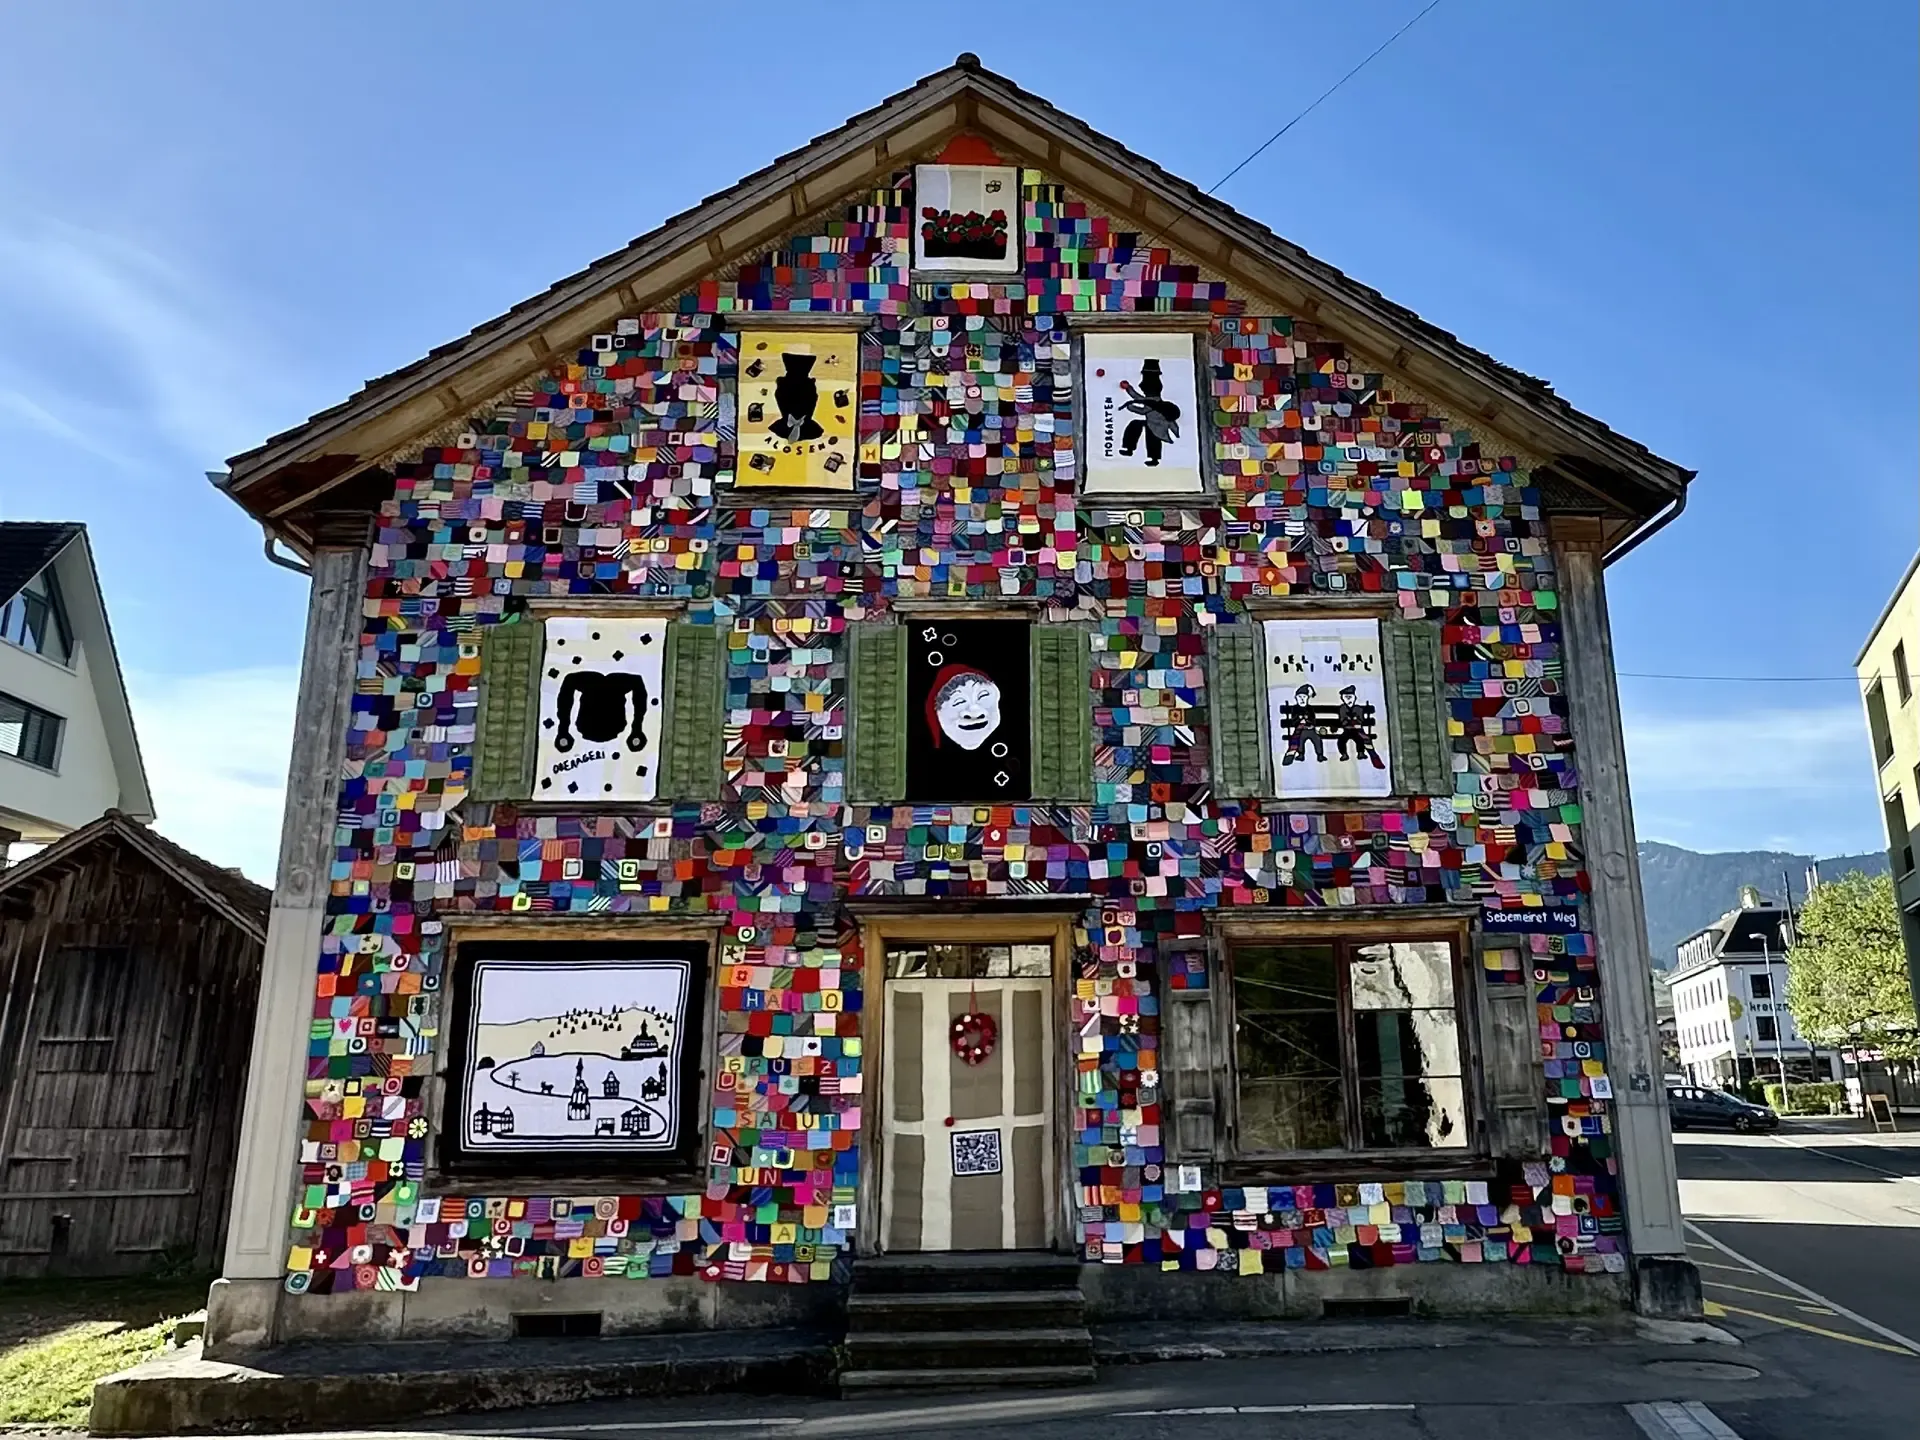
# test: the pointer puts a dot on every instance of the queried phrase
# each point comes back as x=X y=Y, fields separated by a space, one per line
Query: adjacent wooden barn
x=129 y=970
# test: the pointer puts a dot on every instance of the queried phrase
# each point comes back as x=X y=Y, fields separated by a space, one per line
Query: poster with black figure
x=1143 y=414
x=600 y=709
x=1327 y=708
x=968 y=722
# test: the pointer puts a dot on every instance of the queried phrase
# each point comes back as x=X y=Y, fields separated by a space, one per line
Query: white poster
x=600 y=709
x=585 y=1053
x=1143 y=420
x=1327 y=708
x=968 y=219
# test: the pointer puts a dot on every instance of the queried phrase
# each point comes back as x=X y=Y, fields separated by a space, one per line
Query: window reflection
x=940 y=960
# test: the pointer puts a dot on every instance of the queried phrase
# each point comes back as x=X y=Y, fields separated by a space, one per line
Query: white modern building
x=1730 y=1012
x=67 y=747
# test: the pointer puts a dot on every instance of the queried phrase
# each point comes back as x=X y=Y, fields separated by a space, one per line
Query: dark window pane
x=1413 y=1112
x=1287 y=1048
x=1291 y=1113
x=28 y=732
x=1274 y=977
x=1407 y=1042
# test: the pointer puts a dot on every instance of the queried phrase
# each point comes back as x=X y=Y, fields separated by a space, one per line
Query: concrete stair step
x=970 y=1350
x=890 y=1382
x=965 y=1271
x=965 y=1310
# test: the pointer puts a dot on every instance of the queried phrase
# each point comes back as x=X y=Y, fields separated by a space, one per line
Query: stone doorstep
x=364 y=1386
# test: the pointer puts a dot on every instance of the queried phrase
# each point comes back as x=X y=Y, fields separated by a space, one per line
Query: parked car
x=1692 y=1106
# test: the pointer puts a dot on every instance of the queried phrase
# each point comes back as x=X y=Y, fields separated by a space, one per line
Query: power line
x=1741 y=679
x=1315 y=105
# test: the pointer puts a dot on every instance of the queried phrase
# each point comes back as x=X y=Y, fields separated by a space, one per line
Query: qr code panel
x=976 y=1152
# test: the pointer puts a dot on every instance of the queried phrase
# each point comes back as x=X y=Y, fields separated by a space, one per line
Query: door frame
x=1055 y=929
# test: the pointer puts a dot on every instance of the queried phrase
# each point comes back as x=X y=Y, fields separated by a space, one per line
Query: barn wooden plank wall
x=126 y=1008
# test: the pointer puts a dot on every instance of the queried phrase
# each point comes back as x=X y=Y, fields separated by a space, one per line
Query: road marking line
x=1730 y=1269
x=1679 y=1420
x=651 y=1425
x=1719 y=1307
x=1769 y=1294
x=1814 y=1295
x=1329 y=1409
x=1844 y=1160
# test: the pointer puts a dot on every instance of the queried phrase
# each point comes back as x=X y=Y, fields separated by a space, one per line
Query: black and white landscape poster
x=584 y=1054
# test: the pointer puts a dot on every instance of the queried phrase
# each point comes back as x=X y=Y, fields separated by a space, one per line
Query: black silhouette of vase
x=796 y=393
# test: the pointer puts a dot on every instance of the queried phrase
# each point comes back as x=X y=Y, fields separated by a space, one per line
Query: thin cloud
x=165 y=352
x=215 y=748
x=1788 y=779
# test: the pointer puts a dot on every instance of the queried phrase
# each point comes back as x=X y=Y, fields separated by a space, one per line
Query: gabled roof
x=27 y=547
x=296 y=478
x=236 y=898
x=86 y=606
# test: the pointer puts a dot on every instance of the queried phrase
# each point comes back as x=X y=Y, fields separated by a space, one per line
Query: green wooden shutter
x=1059 y=659
x=503 y=742
x=1417 y=708
x=695 y=677
x=1235 y=700
x=877 y=707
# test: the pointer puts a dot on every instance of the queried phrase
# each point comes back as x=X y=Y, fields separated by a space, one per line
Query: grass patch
x=59 y=1336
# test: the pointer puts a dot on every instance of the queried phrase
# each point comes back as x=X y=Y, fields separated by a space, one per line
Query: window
x=1901 y=680
x=1330 y=705
x=1877 y=725
x=951 y=710
x=29 y=733
x=1766 y=1028
x=1899 y=840
x=1348 y=1045
x=1760 y=986
x=35 y=619
x=599 y=709
x=576 y=1056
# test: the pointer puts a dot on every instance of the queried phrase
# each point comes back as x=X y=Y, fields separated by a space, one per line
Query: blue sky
x=1698 y=220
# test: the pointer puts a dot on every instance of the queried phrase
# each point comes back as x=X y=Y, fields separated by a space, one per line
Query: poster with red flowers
x=967 y=219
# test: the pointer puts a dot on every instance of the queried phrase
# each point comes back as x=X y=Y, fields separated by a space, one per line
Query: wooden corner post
x=243 y=1304
x=1665 y=1281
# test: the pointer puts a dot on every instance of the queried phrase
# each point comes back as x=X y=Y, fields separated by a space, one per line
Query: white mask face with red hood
x=965 y=706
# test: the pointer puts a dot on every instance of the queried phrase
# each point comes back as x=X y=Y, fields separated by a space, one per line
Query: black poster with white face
x=968 y=695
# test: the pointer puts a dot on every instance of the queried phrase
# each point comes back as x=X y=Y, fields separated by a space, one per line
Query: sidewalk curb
x=302 y=1386
x=1148 y=1343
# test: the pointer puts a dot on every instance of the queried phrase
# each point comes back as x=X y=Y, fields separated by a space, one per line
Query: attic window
x=36 y=620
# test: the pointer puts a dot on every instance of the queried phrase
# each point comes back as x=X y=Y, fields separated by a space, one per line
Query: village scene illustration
x=583 y=1055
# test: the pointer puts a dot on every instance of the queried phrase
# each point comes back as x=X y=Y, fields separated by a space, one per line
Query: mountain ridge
x=1686 y=890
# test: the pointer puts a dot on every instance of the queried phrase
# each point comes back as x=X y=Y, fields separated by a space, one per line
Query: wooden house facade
x=129 y=969
x=1003 y=707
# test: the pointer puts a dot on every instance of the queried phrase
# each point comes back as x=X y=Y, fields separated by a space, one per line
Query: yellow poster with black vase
x=798 y=394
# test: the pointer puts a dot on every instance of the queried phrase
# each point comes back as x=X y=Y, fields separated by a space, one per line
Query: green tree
x=1847 y=975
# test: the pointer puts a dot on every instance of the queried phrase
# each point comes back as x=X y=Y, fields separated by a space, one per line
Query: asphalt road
x=1816 y=1268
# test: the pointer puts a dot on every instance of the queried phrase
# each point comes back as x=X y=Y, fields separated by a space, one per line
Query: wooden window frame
x=450 y=1175
x=1349 y=1161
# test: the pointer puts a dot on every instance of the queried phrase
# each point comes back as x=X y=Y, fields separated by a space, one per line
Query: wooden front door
x=967 y=1161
